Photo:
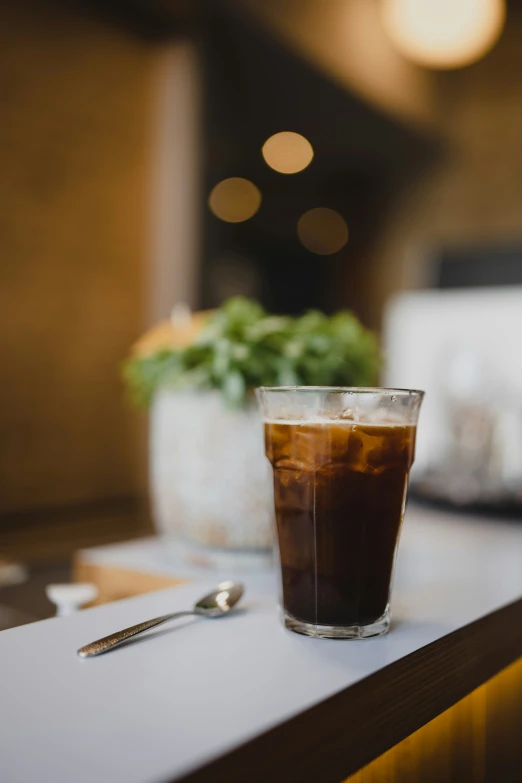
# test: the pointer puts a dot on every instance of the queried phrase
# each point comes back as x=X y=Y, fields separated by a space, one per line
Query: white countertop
x=158 y=708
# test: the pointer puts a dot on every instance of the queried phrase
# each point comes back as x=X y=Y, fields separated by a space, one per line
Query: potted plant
x=210 y=482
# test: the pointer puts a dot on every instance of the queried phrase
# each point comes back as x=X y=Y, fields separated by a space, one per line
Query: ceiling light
x=287 y=152
x=322 y=231
x=443 y=33
x=234 y=200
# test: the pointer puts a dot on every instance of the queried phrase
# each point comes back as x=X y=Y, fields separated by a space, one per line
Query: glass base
x=378 y=628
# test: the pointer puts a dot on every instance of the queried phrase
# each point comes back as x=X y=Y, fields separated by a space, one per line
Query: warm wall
x=75 y=102
x=347 y=41
x=474 y=192
x=474 y=195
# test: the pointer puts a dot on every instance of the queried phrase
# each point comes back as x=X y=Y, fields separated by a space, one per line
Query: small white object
x=68 y=598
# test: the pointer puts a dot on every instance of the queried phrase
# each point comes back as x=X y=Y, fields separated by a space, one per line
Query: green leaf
x=242 y=347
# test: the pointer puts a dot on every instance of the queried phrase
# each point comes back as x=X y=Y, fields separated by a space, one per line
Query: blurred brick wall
x=75 y=136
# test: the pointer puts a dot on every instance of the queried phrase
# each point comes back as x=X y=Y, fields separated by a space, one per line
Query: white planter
x=210 y=481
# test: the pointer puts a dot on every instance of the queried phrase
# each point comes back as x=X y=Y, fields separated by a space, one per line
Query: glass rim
x=383 y=390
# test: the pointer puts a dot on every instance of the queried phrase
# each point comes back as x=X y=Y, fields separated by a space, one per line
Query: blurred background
x=360 y=154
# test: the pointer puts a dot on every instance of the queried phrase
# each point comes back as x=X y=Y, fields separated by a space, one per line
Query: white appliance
x=464 y=348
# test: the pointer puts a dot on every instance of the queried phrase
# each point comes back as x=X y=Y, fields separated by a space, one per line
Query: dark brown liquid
x=339 y=495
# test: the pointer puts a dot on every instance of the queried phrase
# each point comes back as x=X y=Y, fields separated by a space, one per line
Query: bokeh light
x=322 y=231
x=287 y=152
x=443 y=33
x=234 y=199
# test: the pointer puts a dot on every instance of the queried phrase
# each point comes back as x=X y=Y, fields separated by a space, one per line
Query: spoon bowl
x=220 y=601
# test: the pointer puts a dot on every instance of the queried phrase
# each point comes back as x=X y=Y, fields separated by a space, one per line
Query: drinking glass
x=341 y=459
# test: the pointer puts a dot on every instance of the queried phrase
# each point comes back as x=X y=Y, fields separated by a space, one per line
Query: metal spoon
x=215 y=604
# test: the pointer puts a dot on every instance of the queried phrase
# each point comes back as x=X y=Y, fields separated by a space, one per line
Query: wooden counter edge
x=342 y=734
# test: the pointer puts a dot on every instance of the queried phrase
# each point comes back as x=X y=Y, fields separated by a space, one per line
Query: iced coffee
x=340 y=482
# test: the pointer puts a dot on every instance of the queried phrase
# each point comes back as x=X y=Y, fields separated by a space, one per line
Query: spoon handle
x=114 y=639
